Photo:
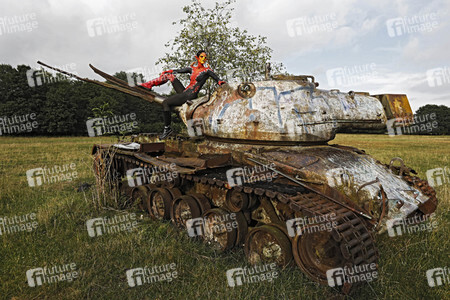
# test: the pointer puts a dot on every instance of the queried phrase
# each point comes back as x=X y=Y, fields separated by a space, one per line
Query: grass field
x=101 y=262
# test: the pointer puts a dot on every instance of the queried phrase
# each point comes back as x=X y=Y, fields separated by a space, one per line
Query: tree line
x=54 y=105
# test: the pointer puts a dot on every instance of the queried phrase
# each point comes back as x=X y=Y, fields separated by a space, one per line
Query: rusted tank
x=257 y=171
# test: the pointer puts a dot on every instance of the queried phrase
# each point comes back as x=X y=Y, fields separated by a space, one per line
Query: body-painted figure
x=199 y=71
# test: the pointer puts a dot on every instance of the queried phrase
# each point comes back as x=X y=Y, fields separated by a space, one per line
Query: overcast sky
x=378 y=46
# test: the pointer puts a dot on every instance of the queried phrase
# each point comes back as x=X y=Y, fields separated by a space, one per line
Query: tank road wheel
x=268 y=244
x=202 y=201
x=160 y=203
x=139 y=196
x=184 y=208
x=218 y=229
x=175 y=192
x=316 y=253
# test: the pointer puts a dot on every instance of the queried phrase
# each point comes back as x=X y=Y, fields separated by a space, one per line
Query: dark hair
x=200 y=52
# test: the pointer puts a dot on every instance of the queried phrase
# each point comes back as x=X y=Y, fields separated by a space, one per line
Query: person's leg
x=159 y=81
x=175 y=100
x=178 y=86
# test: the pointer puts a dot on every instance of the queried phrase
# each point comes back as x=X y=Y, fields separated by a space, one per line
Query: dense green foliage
x=63 y=106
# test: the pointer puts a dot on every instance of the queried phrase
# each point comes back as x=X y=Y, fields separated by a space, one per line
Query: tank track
x=351 y=237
